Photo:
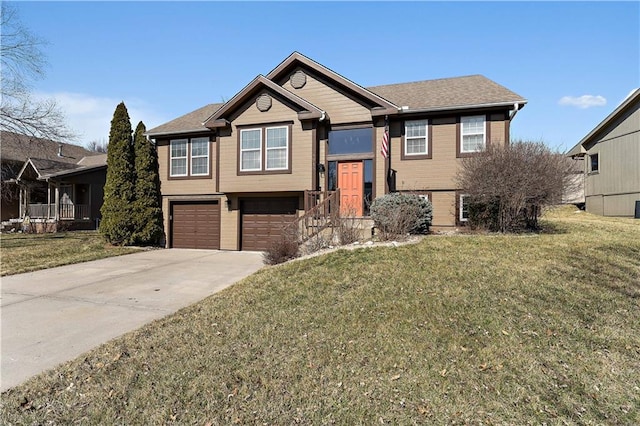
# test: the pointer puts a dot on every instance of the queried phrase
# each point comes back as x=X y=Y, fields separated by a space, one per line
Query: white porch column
x=21 y=212
x=57 y=217
x=48 y=200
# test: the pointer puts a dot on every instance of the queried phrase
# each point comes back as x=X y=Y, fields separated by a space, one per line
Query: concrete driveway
x=52 y=316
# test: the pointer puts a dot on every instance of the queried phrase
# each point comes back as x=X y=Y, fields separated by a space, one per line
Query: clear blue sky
x=165 y=59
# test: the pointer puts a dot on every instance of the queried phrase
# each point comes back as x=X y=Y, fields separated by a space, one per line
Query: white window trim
x=462 y=219
x=425 y=137
x=286 y=148
x=463 y=134
x=171 y=157
x=190 y=151
x=242 y=151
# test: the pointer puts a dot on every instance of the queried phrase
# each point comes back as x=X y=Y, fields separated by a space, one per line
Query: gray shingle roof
x=15 y=147
x=188 y=123
x=447 y=93
x=51 y=167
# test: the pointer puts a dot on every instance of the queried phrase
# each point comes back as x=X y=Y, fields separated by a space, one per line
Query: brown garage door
x=263 y=220
x=195 y=225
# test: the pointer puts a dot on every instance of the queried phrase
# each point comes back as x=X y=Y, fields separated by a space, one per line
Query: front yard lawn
x=30 y=252
x=481 y=329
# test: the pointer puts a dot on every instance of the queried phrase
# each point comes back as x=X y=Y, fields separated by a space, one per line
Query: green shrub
x=396 y=215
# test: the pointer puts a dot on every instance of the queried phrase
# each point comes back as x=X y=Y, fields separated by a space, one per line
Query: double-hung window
x=277 y=147
x=416 y=139
x=251 y=150
x=265 y=149
x=189 y=157
x=178 y=157
x=472 y=134
x=199 y=156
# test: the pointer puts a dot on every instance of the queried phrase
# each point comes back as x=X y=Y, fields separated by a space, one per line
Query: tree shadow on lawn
x=613 y=266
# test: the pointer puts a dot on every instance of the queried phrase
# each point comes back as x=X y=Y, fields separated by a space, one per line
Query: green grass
x=481 y=329
x=31 y=252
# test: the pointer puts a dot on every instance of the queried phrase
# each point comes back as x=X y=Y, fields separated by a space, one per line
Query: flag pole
x=387 y=154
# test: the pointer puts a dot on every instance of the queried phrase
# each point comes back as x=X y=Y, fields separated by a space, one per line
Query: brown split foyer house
x=303 y=139
x=50 y=185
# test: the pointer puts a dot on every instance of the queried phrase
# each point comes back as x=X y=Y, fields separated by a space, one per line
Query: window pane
x=250 y=139
x=199 y=146
x=417 y=146
x=464 y=207
x=472 y=143
x=353 y=141
x=472 y=124
x=179 y=148
x=277 y=137
x=250 y=160
x=416 y=128
x=277 y=158
x=200 y=166
x=178 y=166
x=332 y=176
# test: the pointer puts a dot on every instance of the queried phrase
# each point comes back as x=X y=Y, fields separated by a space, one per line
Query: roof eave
x=363 y=91
x=520 y=103
x=176 y=132
x=218 y=120
x=633 y=96
x=72 y=172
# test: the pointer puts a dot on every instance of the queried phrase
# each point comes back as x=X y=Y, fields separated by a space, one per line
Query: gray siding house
x=611 y=153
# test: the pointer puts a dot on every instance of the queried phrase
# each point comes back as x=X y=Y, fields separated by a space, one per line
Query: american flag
x=385 y=141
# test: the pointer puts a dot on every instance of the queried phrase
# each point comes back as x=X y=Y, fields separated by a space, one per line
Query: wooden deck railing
x=321 y=211
x=67 y=211
x=41 y=211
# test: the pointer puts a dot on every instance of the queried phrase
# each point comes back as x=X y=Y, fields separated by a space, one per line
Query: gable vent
x=263 y=103
x=298 y=79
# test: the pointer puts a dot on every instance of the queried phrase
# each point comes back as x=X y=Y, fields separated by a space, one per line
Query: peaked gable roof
x=17 y=147
x=631 y=100
x=188 y=123
x=379 y=104
x=449 y=93
x=306 y=110
x=45 y=168
x=446 y=94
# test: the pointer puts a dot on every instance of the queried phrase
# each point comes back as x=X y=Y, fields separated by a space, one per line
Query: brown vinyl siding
x=196 y=185
x=341 y=108
x=444 y=209
x=230 y=225
x=439 y=172
x=300 y=144
x=497 y=129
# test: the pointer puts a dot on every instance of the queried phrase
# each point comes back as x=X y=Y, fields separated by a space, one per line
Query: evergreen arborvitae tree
x=119 y=190
x=147 y=205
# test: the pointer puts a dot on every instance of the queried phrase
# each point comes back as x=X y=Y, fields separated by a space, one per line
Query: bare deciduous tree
x=23 y=61
x=510 y=185
x=98 y=146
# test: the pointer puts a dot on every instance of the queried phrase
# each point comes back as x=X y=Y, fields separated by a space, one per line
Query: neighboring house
x=298 y=141
x=611 y=153
x=51 y=182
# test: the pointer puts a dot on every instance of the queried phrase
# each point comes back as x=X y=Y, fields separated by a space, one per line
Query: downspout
x=516 y=108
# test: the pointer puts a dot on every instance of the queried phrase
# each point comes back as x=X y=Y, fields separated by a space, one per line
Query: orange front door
x=350 y=182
